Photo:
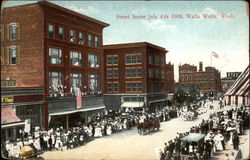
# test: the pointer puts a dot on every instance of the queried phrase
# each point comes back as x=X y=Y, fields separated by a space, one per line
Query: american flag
x=215 y=54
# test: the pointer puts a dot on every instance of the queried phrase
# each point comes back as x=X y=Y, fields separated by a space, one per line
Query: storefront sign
x=9 y=99
x=8 y=83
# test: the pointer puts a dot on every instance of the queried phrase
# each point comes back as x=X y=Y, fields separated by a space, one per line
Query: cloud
x=158 y=24
x=209 y=10
x=86 y=10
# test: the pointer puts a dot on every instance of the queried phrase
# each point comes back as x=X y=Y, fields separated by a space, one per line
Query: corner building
x=51 y=52
x=208 y=80
x=135 y=76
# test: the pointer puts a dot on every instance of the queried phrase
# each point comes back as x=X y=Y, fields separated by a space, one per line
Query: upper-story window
x=55 y=82
x=133 y=59
x=76 y=81
x=93 y=83
x=150 y=73
x=81 y=38
x=163 y=75
x=157 y=60
x=93 y=60
x=133 y=72
x=76 y=58
x=89 y=40
x=51 y=30
x=72 y=35
x=96 y=42
x=150 y=60
x=61 y=33
x=12 y=56
x=112 y=59
x=55 y=56
x=13 y=31
x=163 y=62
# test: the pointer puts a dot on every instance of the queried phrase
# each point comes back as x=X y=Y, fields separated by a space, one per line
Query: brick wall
x=29 y=72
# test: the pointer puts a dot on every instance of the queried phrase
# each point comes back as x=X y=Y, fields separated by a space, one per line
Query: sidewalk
x=243 y=152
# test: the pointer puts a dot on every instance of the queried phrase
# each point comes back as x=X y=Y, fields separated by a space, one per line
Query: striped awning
x=241 y=86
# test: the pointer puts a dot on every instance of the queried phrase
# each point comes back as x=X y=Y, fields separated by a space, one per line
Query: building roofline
x=49 y=4
x=131 y=45
x=52 y=5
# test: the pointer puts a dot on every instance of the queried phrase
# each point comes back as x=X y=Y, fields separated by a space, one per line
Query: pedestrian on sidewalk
x=236 y=141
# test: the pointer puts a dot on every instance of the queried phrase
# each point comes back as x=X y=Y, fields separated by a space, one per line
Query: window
x=109 y=73
x=76 y=58
x=55 y=82
x=76 y=80
x=72 y=35
x=157 y=60
x=163 y=61
x=96 y=42
x=93 y=83
x=13 y=31
x=133 y=72
x=55 y=56
x=112 y=59
x=150 y=60
x=157 y=73
x=113 y=87
x=51 y=31
x=93 y=60
x=116 y=87
x=109 y=87
x=133 y=59
x=109 y=60
x=115 y=59
x=133 y=86
x=112 y=73
x=162 y=74
x=13 y=55
x=150 y=73
x=81 y=38
x=115 y=73
x=61 y=33
x=89 y=40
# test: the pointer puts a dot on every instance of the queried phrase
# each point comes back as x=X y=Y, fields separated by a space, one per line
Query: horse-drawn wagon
x=149 y=125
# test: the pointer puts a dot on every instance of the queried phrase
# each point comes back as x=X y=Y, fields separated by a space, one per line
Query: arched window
x=13 y=31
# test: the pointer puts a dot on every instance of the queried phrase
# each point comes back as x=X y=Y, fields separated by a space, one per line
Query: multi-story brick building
x=54 y=50
x=136 y=75
x=227 y=82
x=208 y=80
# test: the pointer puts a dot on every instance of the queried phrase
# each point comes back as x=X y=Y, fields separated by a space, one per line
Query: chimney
x=200 y=67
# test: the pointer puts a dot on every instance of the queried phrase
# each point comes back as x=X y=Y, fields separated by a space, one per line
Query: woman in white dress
x=230 y=142
x=109 y=129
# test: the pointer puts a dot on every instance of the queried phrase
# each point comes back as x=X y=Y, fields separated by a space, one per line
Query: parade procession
x=129 y=80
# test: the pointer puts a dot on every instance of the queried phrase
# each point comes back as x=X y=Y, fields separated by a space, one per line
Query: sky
x=188 y=40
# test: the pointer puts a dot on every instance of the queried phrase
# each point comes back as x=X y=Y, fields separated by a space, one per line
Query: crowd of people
x=100 y=125
x=223 y=127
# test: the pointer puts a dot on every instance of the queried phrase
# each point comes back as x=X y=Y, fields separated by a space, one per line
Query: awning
x=193 y=137
x=20 y=123
x=76 y=110
x=159 y=100
x=132 y=104
x=241 y=84
x=8 y=115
